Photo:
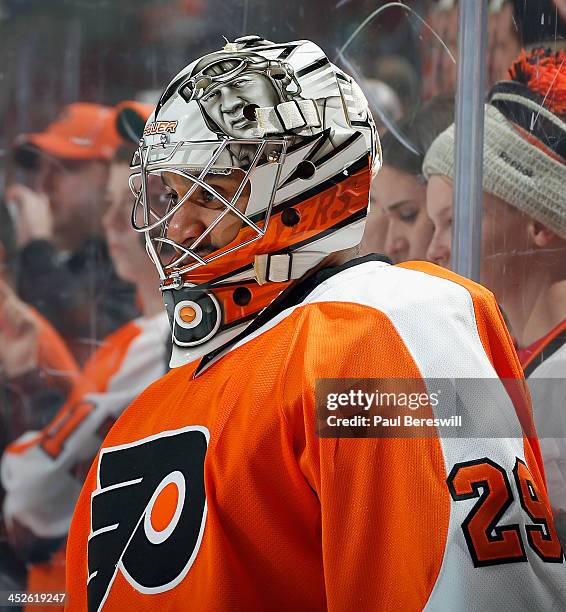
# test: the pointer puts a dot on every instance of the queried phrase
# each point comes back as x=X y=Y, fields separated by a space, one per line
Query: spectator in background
x=377 y=224
x=384 y=103
x=37 y=371
x=37 y=374
x=397 y=73
x=513 y=24
x=504 y=40
x=399 y=189
x=65 y=270
x=386 y=109
x=540 y=23
x=43 y=472
x=523 y=231
x=439 y=70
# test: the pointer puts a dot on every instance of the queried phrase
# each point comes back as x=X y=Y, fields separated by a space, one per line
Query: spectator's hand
x=19 y=334
x=34 y=219
x=29 y=547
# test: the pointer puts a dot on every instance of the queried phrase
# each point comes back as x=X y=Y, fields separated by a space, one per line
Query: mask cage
x=240 y=177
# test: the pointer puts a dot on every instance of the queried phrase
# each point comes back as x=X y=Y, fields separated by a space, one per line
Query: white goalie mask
x=254 y=166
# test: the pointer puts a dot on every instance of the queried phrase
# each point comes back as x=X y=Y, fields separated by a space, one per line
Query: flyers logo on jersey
x=148 y=513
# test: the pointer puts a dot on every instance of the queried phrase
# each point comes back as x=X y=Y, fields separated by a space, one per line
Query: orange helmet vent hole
x=188 y=314
x=164 y=507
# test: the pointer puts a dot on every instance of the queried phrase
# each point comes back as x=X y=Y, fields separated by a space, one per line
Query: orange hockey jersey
x=213 y=490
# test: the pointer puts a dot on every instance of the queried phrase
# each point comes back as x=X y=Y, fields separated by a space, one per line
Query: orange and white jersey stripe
x=214 y=491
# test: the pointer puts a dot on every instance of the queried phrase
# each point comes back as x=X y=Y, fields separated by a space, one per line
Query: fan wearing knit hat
x=524 y=227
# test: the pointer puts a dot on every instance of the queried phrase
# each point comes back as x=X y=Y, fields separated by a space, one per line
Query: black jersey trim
x=547 y=351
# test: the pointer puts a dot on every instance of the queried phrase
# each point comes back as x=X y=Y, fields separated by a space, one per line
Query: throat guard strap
x=285 y=267
x=287 y=116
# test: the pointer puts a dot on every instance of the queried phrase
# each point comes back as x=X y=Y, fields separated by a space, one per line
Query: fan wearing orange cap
x=66 y=272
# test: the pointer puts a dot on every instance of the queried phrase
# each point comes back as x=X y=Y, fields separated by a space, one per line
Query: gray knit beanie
x=517 y=167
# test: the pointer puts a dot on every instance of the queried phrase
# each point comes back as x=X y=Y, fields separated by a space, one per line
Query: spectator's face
x=506 y=238
x=403 y=200
x=126 y=246
x=76 y=195
x=202 y=209
x=377 y=223
x=439 y=209
x=225 y=104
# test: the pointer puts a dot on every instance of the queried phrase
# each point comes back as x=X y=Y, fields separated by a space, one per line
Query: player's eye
x=206 y=199
x=240 y=83
x=169 y=196
x=166 y=199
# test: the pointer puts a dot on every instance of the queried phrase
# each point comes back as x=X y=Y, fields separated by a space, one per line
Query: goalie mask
x=253 y=168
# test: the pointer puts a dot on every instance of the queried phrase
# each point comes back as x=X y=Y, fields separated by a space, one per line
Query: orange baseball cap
x=82 y=131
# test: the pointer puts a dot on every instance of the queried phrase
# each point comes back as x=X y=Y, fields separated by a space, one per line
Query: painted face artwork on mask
x=229 y=86
x=226 y=103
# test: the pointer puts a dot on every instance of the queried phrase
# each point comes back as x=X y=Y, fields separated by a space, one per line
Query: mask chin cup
x=194 y=315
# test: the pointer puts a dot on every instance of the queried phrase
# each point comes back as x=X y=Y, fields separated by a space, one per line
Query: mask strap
x=296 y=116
x=286 y=266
